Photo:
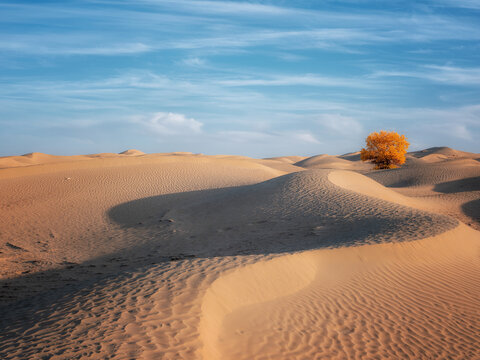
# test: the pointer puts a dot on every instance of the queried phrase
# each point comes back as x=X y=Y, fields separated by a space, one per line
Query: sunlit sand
x=188 y=256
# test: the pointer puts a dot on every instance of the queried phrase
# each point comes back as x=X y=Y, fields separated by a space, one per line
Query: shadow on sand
x=456 y=186
x=30 y=299
x=161 y=239
x=472 y=210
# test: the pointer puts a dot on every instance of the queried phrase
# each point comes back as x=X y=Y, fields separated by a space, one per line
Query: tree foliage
x=385 y=149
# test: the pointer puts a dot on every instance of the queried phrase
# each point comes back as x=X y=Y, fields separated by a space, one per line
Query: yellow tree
x=385 y=149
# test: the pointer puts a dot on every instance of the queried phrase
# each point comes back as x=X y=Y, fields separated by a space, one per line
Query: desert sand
x=188 y=256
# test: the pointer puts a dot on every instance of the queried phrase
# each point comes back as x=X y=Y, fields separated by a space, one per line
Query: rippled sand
x=187 y=256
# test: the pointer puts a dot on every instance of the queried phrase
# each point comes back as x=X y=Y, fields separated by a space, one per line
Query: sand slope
x=437 y=154
x=333 y=162
x=184 y=256
x=57 y=213
x=415 y=300
x=450 y=185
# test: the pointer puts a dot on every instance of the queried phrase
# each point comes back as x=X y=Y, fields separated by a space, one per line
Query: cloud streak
x=467 y=4
x=295 y=80
x=118 y=28
x=440 y=74
x=277 y=76
x=165 y=124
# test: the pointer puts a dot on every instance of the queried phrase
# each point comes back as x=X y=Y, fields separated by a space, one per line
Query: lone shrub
x=385 y=149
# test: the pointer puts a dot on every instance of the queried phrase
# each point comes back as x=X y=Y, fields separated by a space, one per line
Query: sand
x=188 y=256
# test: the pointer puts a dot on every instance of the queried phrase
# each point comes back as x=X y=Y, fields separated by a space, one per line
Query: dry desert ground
x=188 y=256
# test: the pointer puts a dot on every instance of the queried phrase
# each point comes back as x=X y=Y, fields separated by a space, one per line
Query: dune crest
x=132 y=152
x=234 y=303
x=287 y=159
x=395 y=300
x=333 y=162
x=256 y=283
x=441 y=153
x=180 y=255
x=225 y=299
x=366 y=186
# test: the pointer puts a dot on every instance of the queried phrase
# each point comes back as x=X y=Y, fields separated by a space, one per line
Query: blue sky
x=258 y=78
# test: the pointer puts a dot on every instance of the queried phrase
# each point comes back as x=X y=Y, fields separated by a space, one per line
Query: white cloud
x=291 y=57
x=226 y=7
x=340 y=124
x=194 y=61
x=455 y=75
x=462 y=123
x=163 y=123
x=61 y=44
x=281 y=137
x=334 y=31
x=289 y=80
x=306 y=137
x=133 y=48
x=460 y=131
x=468 y=4
x=333 y=39
x=241 y=136
x=441 y=74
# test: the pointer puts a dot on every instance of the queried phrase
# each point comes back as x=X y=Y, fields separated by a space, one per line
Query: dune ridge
x=391 y=300
x=180 y=255
x=332 y=162
x=244 y=334
x=363 y=185
x=255 y=283
x=132 y=152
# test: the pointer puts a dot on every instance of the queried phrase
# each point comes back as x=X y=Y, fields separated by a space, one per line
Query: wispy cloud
x=340 y=124
x=454 y=75
x=467 y=4
x=117 y=28
x=70 y=44
x=306 y=137
x=224 y=7
x=244 y=136
x=226 y=91
x=164 y=124
x=458 y=130
x=267 y=137
x=121 y=49
x=194 y=61
x=315 y=75
x=345 y=40
x=293 y=80
x=442 y=74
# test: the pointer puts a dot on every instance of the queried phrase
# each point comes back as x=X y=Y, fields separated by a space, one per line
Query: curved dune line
x=361 y=184
x=252 y=284
x=412 y=289
x=282 y=276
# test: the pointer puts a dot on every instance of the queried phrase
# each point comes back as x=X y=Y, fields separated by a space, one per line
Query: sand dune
x=415 y=300
x=449 y=185
x=333 y=162
x=43 y=159
x=132 y=152
x=429 y=174
x=59 y=213
x=34 y=159
x=441 y=154
x=287 y=159
x=187 y=256
x=353 y=156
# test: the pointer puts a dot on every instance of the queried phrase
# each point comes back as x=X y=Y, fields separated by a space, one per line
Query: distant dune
x=332 y=162
x=188 y=256
x=442 y=153
x=132 y=152
x=288 y=159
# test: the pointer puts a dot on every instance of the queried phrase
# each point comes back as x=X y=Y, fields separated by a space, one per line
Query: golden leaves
x=385 y=149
